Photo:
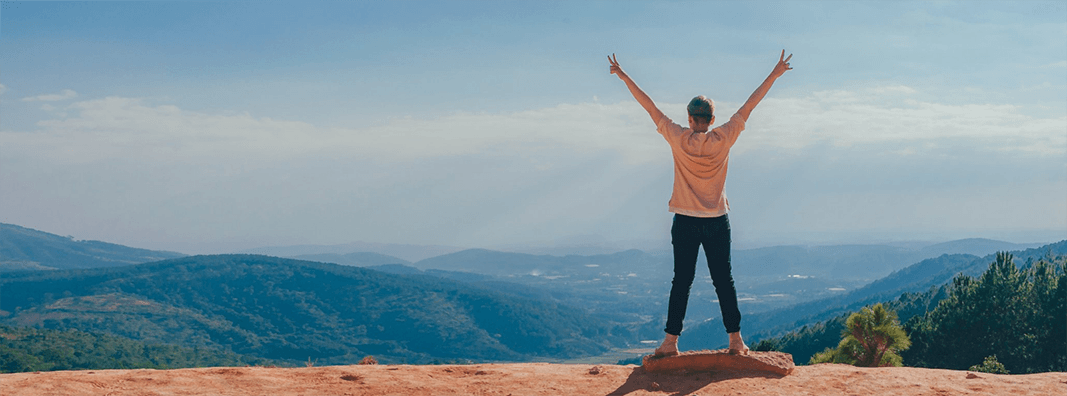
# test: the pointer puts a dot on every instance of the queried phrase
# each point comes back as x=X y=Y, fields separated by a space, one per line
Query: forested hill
x=292 y=310
x=28 y=249
x=1012 y=313
x=917 y=278
x=29 y=349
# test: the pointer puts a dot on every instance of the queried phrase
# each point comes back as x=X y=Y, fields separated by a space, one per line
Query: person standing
x=698 y=201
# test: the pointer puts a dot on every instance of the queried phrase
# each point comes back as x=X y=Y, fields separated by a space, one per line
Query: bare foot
x=737 y=345
x=669 y=347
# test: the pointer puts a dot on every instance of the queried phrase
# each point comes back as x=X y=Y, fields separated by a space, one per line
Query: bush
x=990 y=365
x=872 y=338
x=771 y=345
x=368 y=360
x=828 y=355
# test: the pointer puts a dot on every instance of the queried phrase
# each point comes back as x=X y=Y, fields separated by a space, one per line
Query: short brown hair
x=701 y=108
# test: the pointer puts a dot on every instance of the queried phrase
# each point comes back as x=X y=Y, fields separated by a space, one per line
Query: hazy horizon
x=211 y=127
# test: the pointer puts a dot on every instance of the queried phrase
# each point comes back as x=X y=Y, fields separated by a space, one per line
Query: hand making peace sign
x=782 y=66
x=615 y=68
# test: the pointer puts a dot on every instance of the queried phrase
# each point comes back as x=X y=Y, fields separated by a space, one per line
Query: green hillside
x=1011 y=311
x=1016 y=313
x=808 y=340
x=29 y=349
x=28 y=249
x=292 y=310
x=917 y=278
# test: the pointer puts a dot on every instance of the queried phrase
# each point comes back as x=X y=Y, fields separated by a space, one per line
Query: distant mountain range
x=631 y=285
x=843 y=262
x=28 y=249
x=867 y=262
x=406 y=252
x=358 y=259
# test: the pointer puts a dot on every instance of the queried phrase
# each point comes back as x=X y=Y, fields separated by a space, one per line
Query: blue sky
x=219 y=126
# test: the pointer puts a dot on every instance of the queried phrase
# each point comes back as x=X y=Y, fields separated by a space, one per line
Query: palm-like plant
x=873 y=338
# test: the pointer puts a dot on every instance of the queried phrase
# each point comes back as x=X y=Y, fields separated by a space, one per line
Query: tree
x=1016 y=314
x=872 y=338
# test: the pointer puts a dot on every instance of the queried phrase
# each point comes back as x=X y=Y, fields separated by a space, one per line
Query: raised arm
x=779 y=70
x=636 y=91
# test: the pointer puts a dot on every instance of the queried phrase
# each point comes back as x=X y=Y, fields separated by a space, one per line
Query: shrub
x=872 y=338
x=990 y=365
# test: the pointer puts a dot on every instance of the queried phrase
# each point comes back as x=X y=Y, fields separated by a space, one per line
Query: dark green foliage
x=28 y=349
x=809 y=340
x=27 y=249
x=872 y=338
x=806 y=341
x=919 y=277
x=990 y=365
x=290 y=310
x=915 y=278
x=1019 y=315
x=1015 y=314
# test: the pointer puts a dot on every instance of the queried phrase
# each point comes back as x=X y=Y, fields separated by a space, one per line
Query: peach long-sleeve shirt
x=700 y=162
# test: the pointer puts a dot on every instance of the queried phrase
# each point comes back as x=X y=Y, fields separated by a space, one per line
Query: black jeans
x=687 y=234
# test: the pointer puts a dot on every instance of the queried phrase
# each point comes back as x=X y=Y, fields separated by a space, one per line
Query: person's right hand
x=782 y=66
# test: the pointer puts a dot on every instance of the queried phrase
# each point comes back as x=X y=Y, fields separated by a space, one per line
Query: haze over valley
x=615 y=302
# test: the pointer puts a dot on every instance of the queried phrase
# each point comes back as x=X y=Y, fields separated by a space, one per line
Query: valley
x=472 y=305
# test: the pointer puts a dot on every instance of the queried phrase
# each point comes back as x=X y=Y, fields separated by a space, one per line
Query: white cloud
x=114 y=126
x=881 y=116
x=479 y=178
x=893 y=89
x=65 y=94
x=888 y=115
x=1057 y=65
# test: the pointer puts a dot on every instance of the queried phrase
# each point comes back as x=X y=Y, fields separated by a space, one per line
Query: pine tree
x=1016 y=314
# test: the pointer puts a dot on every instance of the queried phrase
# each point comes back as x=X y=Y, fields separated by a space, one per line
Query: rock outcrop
x=721 y=360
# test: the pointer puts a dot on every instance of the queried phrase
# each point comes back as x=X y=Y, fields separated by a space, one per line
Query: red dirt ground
x=526 y=379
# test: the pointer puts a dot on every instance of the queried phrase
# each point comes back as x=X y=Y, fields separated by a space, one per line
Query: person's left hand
x=615 y=68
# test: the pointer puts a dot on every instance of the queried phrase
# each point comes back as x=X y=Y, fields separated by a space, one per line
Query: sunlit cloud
x=569 y=169
x=115 y=126
x=65 y=94
x=1057 y=65
x=890 y=116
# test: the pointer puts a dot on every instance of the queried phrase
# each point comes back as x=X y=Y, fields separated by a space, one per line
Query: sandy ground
x=526 y=379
